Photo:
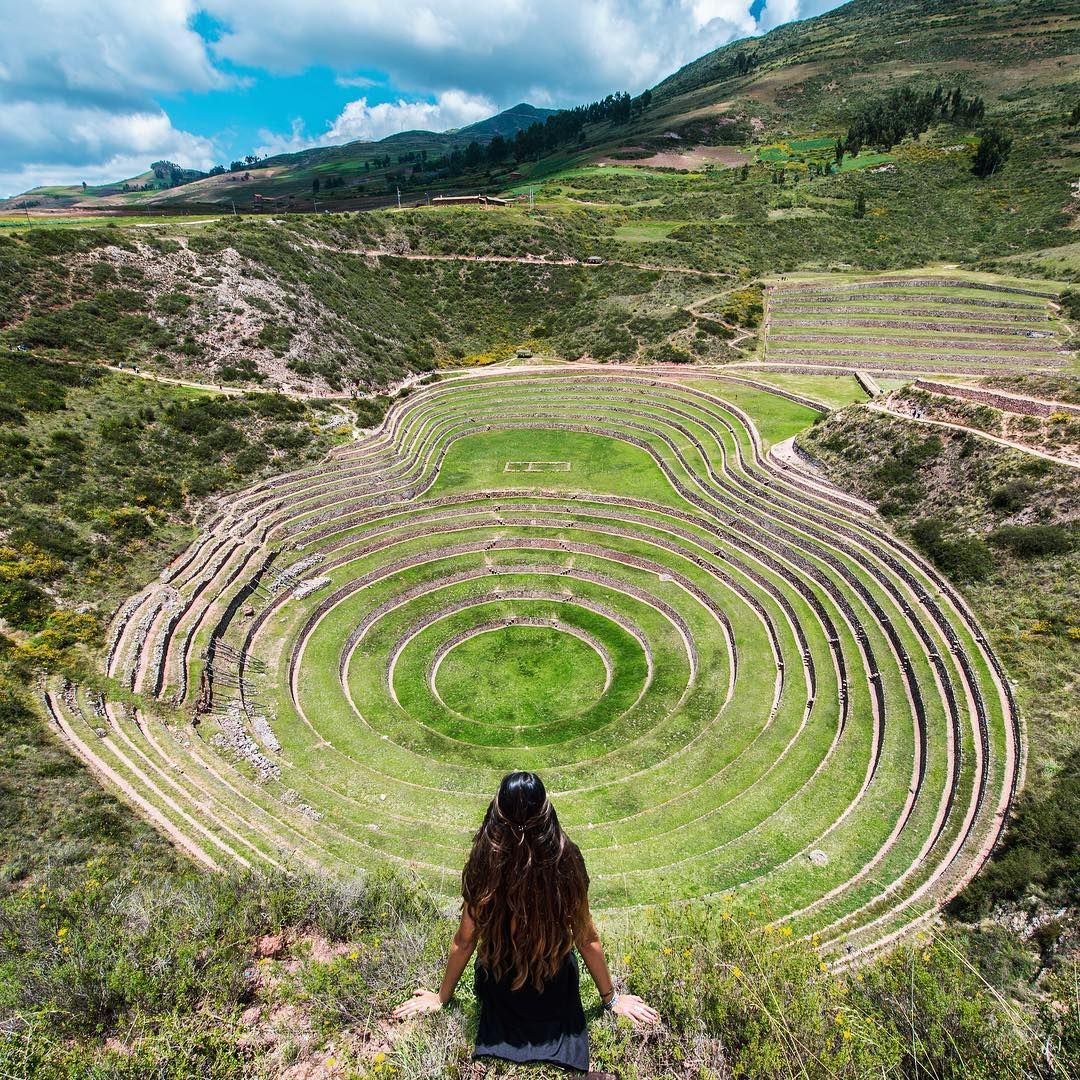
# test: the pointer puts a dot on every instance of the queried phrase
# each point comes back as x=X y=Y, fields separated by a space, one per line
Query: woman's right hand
x=635 y=1010
x=422 y=1001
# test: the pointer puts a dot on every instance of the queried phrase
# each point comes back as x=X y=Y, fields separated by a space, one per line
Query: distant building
x=468 y=200
x=523 y=354
x=593 y=260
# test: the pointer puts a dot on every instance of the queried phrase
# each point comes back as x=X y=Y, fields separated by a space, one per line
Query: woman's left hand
x=422 y=1001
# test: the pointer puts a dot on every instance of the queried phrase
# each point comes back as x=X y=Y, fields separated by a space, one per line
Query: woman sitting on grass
x=526 y=906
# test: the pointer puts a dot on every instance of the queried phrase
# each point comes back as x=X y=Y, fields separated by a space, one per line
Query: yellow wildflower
x=737 y=971
x=667 y=951
x=786 y=931
x=627 y=958
x=62 y=932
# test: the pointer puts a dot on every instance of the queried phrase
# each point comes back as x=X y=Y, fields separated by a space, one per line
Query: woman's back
x=526 y=894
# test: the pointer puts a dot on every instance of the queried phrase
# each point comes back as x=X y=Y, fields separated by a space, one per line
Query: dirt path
x=981 y=434
x=525 y=260
x=212 y=388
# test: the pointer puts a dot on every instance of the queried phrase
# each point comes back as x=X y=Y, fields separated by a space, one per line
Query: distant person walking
x=526 y=907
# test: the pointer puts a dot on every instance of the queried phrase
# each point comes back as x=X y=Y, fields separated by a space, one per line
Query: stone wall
x=1005 y=402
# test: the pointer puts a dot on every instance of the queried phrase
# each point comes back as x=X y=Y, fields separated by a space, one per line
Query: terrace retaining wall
x=1010 y=403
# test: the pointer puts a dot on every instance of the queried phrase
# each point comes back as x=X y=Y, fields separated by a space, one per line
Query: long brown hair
x=524 y=885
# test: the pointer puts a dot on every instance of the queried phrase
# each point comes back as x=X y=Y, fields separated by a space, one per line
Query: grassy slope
x=1029 y=603
x=927 y=208
x=279 y=976
x=102 y=478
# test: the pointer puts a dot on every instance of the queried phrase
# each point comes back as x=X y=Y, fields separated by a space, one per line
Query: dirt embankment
x=694 y=158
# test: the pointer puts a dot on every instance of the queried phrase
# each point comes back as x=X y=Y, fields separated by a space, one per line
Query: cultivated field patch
x=908 y=325
x=733 y=680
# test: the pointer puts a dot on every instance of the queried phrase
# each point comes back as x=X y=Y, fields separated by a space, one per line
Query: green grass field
x=20 y=222
x=719 y=667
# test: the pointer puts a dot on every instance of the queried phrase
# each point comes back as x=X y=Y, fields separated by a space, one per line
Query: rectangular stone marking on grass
x=537 y=466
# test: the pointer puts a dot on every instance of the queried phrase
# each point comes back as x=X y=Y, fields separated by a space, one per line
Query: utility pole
x=233 y=201
x=316 y=202
x=532 y=201
x=398 y=198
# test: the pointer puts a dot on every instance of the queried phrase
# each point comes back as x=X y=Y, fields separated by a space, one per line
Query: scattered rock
x=270 y=946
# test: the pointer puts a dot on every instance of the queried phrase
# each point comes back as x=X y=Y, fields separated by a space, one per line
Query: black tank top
x=530 y=1025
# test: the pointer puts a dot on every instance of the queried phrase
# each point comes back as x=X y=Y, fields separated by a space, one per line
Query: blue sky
x=95 y=90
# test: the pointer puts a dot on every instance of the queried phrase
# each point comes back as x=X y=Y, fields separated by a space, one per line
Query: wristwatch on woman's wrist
x=611 y=1001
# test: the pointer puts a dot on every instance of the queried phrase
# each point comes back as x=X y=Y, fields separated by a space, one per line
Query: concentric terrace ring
x=732 y=678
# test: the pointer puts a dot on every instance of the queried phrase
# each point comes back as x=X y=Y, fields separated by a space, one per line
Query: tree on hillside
x=744 y=63
x=839 y=151
x=906 y=112
x=993 y=152
x=860 y=205
x=474 y=155
x=315 y=186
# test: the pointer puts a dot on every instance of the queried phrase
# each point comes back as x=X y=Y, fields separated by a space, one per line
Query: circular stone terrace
x=732 y=678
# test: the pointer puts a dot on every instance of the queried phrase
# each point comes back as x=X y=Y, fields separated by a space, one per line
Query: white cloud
x=778 y=12
x=273 y=143
x=78 y=83
x=56 y=143
x=359 y=120
x=355 y=80
x=109 y=53
x=452 y=109
x=497 y=49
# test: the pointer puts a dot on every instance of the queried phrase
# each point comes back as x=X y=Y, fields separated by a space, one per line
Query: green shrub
x=903 y=466
x=1033 y=541
x=1012 y=496
x=130 y=523
x=1040 y=850
x=24 y=604
x=962 y=558
x=173 y=303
